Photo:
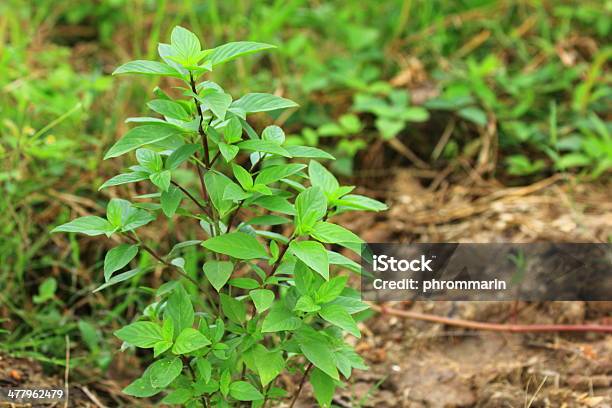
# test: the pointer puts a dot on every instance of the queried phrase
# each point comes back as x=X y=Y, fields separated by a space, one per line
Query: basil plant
x=255 y=302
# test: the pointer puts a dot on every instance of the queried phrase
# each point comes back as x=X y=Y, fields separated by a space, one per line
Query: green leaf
x=280 y=318
x=170 y=200
x=117 y=258
x=218 y=273
x=234 y=193
x=232 y=50
x=228 y=151
x=359 y=202
x=312 y=254
x=141 y=136
x=164 y=371
x=147 y=68
x=180 y=155
x=263 y=146
x=170 y=109
x=331 y=289
x=268 y=220
x=216 y=183
x=189 y=340
x=333 y=234
x=160 y=347
x=244 y=391
x=125 y=179
x=262 y=102
x=350 y=304
x=186 y=45
x=415 y=114
x=244 y=283
x=88 y=225
x=46 y=291
x=306 y=304
x=269 y=364
x=474 y=115
x=274 y=173
x=121 y=214
x=336 y=315
x=262 y=299
x=318 y=350
x=237 y=245
x=233 y=130
x=323 y=386
x=217 y=102
x=321 y=177
x=117 y=211
x=233 y=309
x=276 y=204
x=140 y=334
x=224 y=382
x=244 y=177
x=142 y=387
x=118 y=278
x=179 y=309
x=161 y=179
x=178 y=396
x=308 y=152
x=274 y=134
x=310 y=207
x=203 y=368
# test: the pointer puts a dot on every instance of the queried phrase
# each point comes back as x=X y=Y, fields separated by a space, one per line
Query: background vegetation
x=518 y=90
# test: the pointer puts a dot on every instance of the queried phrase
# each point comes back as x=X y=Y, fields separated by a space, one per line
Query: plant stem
x=144 y=246
x=191 y=197
x=200 y=129
x=302 y=382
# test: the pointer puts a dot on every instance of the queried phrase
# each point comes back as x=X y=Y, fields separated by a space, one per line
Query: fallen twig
x=499 y=327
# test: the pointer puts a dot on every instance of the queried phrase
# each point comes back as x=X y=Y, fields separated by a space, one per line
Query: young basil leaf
x=312 y=254
x=189 y=340
x=323 y=386
x=244 y=391
x=147 y=68
x=232 y=50
x=237 y=245
x=280 y=318
x=262 y=102
x=141 y=136
x=117 y=258
x=321 y=177
x=171 y=200
x=179 y=309
x=336 y=315
x=141 y=334
x=164 y=371
x=262 y=299
x=218 y=273
x=233 y=309
x=310 y=207
x=88 y=225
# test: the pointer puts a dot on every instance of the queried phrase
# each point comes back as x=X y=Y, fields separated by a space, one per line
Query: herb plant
x=263 y=302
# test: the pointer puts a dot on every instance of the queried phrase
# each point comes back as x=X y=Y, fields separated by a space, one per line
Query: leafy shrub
x=269 y=301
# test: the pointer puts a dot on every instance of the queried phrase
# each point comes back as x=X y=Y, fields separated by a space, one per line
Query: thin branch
x=191 y=197
x=200 y=129
x=302 y=382
x=498 y=327
x=144 y=246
